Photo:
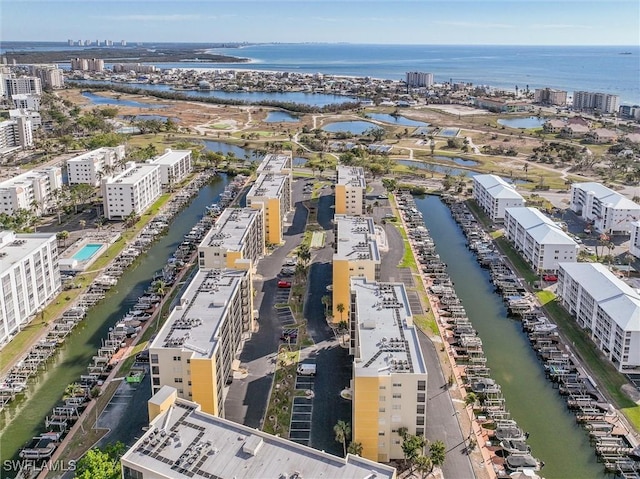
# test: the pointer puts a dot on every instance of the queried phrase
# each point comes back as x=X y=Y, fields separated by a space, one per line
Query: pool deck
x=69 y=263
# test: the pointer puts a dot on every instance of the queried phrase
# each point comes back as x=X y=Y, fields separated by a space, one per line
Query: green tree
x=390 y=184
x=340 y=309
x=423 y=466
x=342 y=431
x=355 y=448
x=304 y=253
x=101 y=463
x=437 y=454
x=62 y=236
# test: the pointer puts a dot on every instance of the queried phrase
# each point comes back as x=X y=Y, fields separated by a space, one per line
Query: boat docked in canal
x=41 y=447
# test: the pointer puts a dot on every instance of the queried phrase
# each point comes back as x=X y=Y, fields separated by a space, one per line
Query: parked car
x=550 y=278
x=284 y=284
x=289 y=336
x=292 y=261
x=287 y=272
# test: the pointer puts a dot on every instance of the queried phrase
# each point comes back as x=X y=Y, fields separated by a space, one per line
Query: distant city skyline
x=497 y=22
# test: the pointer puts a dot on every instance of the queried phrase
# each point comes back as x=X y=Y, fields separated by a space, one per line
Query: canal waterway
x=24 y=418
x=555 y=437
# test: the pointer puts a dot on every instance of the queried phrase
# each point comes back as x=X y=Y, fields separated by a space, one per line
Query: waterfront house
x=553 y=126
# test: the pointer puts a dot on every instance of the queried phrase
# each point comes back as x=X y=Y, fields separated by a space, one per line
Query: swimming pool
x=87 y=252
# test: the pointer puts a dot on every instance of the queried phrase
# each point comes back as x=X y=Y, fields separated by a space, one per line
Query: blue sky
x=522 y=22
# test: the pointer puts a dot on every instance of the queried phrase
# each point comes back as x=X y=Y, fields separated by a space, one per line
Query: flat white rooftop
x=98 y=153
x=231 y=227
x=275 y=164
x=356 y=238
x=184 y=442
x=268 y=186
x=388 y=342
x=351 y=176
x=194 y=324
x=14 y=247
x=171 y=157
x=133 y=175
x=29 y=176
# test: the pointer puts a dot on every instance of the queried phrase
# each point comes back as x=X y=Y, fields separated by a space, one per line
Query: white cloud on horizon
x=178 y=17
x=560 y=26
x=475 y=25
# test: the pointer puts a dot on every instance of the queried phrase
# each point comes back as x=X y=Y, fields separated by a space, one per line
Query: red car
x=550 y=278
x=284 y=284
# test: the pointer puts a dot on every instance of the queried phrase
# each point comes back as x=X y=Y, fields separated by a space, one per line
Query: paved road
x=247 y=398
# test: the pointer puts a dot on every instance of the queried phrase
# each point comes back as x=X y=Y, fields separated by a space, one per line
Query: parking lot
x=301 y=412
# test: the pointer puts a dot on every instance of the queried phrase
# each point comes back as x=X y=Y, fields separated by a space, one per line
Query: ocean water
x=608 y=69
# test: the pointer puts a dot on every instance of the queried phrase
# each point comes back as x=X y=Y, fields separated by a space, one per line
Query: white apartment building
x=634 y=242
x=132 y=191
x=272 y=192
x=89 y=168
x=585 y=100
x=183 y=442
x=608 y=211
x=607 y=307
x=350 y=190
x=31 y=191
x=175 y=165
x=15 y=134
x=21 y=85
x=195 y=350
x=29 y=278
x=389 y=372
x=235 y=241
x=539 y=240
x=494 y=195
x=32 y=116
x=419 y=79
x=26 y=101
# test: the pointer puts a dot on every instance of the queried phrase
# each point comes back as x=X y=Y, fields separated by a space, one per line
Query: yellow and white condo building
x=389 y=372
x=356 y=253
x=195 y=350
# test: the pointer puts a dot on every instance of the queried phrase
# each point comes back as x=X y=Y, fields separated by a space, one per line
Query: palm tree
x=303 y=253
x=62 y=236
x=437 y=451
x=326 y=301
x=342 y=431
x=423 y=465
x=340 y=309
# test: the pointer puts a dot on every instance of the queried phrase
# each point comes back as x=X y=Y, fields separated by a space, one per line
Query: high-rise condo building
x=29 y=278
x=350 y=190
x=195 y=350
x=389 y=372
